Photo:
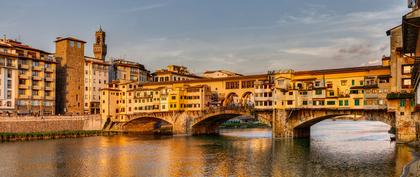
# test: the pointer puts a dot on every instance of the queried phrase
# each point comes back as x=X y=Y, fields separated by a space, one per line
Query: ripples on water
x=336 y=148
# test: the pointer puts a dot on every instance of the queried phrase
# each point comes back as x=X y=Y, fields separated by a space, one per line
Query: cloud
x=147 y=7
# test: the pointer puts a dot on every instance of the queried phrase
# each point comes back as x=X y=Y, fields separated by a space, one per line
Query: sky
x=244 y=36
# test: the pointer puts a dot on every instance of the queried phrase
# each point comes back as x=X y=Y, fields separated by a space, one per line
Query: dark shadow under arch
x=210 y=125
x=148 y=125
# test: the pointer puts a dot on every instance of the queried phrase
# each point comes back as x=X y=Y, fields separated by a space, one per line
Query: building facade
x=70 y=85
x=125 y=70
x=96 y=77
x=174 y=73
x=28 y=78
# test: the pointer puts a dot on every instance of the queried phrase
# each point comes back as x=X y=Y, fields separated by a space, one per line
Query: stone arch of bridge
x=247 y=99
x=209 y=124
x=148 y=125
x=230 y=99
x=301 y=124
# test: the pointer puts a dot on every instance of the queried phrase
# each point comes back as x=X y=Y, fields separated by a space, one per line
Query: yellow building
x=128 y=97
x=28 y=78
x=346 y=88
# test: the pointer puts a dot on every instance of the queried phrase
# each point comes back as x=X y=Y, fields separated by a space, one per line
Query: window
x=361 y=82
x=356 y=102
x=331 y=93
x=289 y=102
x=406 y=83
x=232 y=85
x=330 y=102
x=343 y=82
x=318 y=92
x=9 y=73
x=354 y=91
x=346 y=102
x=352 y=82
x=79 y=45
x=340 y=102
x=406 y=69
x=402 y=103
x=305 y=102
x=71 y=43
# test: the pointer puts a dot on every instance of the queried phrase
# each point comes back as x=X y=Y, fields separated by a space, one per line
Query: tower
x=99 y=47
x=70 y=55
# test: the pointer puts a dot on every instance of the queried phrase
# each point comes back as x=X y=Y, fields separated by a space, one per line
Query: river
x=336 y=148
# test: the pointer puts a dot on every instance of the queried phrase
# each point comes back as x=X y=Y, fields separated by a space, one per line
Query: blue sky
x=245 y=36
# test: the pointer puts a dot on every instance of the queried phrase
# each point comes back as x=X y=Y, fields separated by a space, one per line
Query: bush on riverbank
x=51 y=135
x=232 y=125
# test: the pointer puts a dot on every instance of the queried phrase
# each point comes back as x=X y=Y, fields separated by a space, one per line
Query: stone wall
x=50 y=123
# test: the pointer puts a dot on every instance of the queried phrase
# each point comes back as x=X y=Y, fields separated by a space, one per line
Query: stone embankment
x=50 y=127
x=49 y=123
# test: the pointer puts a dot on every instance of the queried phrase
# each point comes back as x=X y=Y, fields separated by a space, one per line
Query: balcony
x=49 y=98
x=37 y=78
x=374 y=107
x=23 y=86
x=37 y=68
x=36 y=87
x=38 y=97
x=22 y=76
x=371 y=95
x=49 y=79
x=49 y=70
x=23 y=96
x=23 y=66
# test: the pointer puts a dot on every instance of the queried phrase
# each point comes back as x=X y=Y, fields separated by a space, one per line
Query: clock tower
x=99 y=47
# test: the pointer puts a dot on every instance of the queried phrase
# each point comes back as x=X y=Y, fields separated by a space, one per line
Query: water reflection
x=336 y=149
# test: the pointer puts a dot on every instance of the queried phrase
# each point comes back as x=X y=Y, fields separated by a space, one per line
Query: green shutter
x=352 y=82
x=402 y=103
x=340 y=102
x=346 y=102
x=356 y=102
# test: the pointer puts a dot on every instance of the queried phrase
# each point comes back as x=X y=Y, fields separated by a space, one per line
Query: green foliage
x=393 y=96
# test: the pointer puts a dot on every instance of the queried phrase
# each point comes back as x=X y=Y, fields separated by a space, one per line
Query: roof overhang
x=410 y=30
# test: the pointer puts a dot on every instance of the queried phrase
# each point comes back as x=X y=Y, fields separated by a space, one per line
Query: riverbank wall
x=31 y=124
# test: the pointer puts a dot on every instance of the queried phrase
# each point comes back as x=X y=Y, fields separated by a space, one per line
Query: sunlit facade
x=28 y=78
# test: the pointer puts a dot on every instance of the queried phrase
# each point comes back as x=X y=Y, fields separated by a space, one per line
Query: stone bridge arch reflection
x=148 y=125
x=210 y=123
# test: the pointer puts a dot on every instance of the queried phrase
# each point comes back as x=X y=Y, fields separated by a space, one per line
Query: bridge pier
x=297 y=123
x=280 y=126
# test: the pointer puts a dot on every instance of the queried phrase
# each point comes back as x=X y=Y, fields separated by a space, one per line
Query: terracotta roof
x=23 y=46
x=176 y=73
x=69 y=38
x=223 y=71
x=342 y=70
x=260 y=76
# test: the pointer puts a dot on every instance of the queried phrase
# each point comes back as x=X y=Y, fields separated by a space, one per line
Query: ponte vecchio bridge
x=290 y=101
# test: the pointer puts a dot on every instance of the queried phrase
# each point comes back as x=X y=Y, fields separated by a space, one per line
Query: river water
x=336 y=148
